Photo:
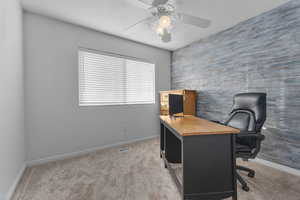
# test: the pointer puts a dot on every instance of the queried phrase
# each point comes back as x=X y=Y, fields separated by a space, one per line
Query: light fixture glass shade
x=164 y=26
x=164 y=21
x=159 y=30
x=166 y=36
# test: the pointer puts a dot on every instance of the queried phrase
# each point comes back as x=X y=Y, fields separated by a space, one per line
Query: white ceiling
x=113 y=16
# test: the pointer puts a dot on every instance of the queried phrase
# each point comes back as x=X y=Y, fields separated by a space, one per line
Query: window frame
x=106 y=53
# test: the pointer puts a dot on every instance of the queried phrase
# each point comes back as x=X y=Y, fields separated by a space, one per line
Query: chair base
x=251 y=174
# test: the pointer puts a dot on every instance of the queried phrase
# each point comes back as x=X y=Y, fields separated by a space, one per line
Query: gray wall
x=260 y=54
x=11 y=98
x=55 y=124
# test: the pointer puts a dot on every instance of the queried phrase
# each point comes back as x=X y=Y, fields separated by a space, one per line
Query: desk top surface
x=190 y=125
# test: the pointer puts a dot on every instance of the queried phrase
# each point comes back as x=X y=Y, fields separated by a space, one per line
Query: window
x=107 y=79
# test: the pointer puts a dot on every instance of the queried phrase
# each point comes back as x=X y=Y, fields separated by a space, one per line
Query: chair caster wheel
x=246 y=188
x=251 y=174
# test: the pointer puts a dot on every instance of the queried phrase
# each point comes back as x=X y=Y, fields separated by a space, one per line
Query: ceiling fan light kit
x=164 y=27
x=164 y=18
x=166 y=36
x=165 y=21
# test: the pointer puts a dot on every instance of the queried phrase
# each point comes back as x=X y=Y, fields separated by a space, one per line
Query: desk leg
x=172 y=147
x=235 y=195
x=162 y=138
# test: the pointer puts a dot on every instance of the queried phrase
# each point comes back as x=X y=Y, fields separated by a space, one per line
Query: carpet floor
x=136 y=173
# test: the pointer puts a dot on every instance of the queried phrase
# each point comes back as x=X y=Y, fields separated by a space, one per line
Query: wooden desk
x=204 y=150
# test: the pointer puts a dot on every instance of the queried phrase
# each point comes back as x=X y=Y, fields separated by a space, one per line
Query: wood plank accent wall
x=261 y=54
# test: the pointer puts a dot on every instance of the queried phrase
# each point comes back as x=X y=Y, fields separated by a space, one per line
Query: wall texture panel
x=261 y=54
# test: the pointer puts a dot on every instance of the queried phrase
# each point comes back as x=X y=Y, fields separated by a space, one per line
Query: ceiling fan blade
x=140 y=22
x=148 y=2
x=192 y=20
x=156 y=3
x=144 y=4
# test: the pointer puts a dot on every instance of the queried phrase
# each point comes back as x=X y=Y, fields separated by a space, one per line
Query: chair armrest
x=218 y=122
x=252 y=135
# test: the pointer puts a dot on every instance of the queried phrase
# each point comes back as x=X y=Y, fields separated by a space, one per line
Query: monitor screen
x=175 y=104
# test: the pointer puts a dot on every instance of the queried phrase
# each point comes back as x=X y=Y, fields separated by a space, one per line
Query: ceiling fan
x=164 y=17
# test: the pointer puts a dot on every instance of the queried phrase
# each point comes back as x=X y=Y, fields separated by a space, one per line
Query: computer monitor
x=175 y=104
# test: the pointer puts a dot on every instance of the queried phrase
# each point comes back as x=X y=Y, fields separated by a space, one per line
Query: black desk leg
x=162 y=138
x=235 y=196
x=172 y=147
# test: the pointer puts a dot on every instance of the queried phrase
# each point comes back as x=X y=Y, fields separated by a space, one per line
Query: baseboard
x=15 y=183
x=83 y=152
x=284 y=168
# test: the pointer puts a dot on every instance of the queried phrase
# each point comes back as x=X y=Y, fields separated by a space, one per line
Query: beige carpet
x=136 y=174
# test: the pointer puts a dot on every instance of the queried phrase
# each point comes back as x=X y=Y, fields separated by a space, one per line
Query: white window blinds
x=106 y=79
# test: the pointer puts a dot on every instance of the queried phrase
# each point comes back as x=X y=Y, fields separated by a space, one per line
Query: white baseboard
x=83 y=152
x=284 y=168
x=15 y=183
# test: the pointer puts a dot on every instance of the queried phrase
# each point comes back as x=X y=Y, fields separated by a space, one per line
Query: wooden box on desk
x=189 y=101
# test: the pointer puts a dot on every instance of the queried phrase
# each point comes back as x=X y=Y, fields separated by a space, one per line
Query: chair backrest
x=248 y=114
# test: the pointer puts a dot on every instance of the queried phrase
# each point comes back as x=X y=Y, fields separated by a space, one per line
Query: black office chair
x=248 y=114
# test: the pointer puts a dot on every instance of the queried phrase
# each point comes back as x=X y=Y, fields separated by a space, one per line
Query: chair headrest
x=255 y=102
